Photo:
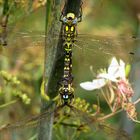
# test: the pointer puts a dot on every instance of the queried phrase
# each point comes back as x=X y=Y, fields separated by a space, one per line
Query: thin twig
x=106 y=100
x=114 y=113
x=137 y=101
x=109 y=115
x=7 y=104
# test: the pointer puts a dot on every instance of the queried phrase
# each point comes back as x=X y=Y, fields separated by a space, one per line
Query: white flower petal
x=98 y=83
x=87 y=85
x=95 y=84
x=113 y=68
x=122 y=69
x=108 y=77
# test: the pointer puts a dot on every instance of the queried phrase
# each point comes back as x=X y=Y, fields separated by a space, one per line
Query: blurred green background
x=22 y=60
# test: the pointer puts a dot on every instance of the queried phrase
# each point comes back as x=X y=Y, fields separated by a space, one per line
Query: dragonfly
x=88 y=49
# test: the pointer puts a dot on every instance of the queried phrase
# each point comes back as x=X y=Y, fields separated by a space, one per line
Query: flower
x=119 y=91
x=130 y=110
x=115 y=70
x=125 y=88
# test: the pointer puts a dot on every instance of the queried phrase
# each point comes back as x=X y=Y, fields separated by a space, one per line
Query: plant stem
x=7 y=104
x=50 y=76
x=114 y=113
x=5 y=7
x=54 y=60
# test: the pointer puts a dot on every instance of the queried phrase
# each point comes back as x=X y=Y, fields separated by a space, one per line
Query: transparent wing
x=72 y=119
x=98 y=51
x=108 y=45
x=90 y=120
x=29 y=125
x=97 y=44
x=88 y=50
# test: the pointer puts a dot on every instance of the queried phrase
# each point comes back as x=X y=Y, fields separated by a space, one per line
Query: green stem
x=51 y=74
x=7 y=104
x=106 y=100
x=48 y=11
x=5 y=7
x=54 y=60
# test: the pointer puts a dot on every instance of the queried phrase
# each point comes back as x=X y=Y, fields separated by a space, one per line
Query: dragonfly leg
x=61 y=17
x=81 y=13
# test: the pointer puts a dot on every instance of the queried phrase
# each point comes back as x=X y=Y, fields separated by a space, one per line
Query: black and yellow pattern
x=66 y=89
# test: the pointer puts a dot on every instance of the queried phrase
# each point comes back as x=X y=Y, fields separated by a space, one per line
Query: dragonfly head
x=70 y=19
x=65 y=98
x=65 y=94
x=70 y=16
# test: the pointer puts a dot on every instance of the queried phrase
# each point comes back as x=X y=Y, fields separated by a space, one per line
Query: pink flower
x=125 y=88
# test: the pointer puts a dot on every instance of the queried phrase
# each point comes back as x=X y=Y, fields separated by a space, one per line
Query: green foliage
x=127 y=70
x=9 y=78
x=12 y=87
x=80 y=121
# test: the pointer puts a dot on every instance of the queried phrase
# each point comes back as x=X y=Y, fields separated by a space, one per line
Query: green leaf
x=127 y=70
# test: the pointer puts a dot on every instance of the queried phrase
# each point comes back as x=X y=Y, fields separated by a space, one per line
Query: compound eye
x=65 y=19
x=75 y=21
x=65 y=96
